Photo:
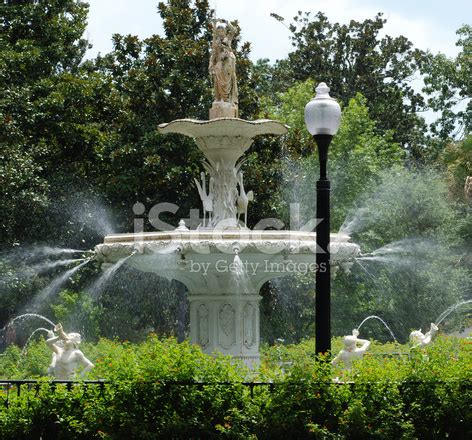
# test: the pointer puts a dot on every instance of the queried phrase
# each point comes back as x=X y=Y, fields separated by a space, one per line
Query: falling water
x=32 y=315
x=23 y=351
x=240 y=275
x=44 y=294
x=449 y=310
x=382 y=321
x=96 y=288
x=365 y=270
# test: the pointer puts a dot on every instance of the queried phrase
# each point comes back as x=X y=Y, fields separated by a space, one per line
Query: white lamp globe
x=322 y=113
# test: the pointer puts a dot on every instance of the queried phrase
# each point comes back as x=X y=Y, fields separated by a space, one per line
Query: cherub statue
x=222 y=66
x=351 y=351
x=66 y=357
x=418 y=339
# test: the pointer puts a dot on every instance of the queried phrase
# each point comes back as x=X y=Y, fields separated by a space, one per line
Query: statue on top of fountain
x=222 y=69
x=418 y=339
x=351 y=351
x=66 y=357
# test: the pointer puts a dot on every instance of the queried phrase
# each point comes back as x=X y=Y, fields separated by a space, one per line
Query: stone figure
x=222 y=69
x=468 y=189
x=418 y=339
x=207 y=199
x=243 y=199
x=66 y=358
x=351 y=350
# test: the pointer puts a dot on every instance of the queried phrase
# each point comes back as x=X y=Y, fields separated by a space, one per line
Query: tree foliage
x=353 y=58
x=448 y=85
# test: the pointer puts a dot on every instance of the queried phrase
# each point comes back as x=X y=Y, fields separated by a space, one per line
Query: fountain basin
x=223 y=271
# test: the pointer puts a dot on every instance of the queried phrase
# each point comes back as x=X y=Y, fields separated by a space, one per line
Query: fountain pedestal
x=227 y=323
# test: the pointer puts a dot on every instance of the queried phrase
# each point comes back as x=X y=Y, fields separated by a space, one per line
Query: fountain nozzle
x=236 y=248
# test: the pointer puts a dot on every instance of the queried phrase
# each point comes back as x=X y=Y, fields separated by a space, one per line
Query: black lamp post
x=322 y=118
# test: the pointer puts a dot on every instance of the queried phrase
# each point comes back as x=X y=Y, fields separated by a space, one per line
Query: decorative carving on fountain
x=227 y=324
x=207 y=199
x=249 y=325
x=225 y=177
x=222 y=69
x=243 y=199
x=203 y=326
x=66 y=357
x=351 y=350
x=418 y=339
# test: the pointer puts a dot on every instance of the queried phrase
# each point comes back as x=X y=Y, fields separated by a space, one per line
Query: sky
x=429 y=24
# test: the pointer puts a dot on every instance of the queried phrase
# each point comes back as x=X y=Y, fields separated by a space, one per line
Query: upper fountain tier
x=224 y=139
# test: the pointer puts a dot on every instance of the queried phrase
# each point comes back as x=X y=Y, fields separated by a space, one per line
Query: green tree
x=54 y=114
x=353 y=59
x=457 y=157
x=358 y=154
x=448 y=85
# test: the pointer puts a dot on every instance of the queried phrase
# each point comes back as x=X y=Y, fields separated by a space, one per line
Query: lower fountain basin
x=223 y=271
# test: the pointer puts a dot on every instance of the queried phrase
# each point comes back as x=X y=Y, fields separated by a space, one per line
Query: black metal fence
x=10 y=388
x=32 y=387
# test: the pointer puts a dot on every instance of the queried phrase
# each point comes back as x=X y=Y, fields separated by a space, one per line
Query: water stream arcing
x=449 y=310
x=24 y=350
x=54 y=286
x=382 y=321
x=31 y=315
x=96 y=288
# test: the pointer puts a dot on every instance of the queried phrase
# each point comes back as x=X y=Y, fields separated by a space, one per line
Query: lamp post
x=322 y=119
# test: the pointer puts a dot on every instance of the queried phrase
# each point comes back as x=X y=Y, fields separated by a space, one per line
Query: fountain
x=222 y=263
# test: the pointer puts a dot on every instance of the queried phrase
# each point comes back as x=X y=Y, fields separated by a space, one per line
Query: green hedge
x=421 y=394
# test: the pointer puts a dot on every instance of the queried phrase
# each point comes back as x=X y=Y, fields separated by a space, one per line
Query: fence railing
x=14 y=388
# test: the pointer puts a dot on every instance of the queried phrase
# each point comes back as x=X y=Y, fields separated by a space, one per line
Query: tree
x=448 y=84
x=55 y=115
x=40 y=39
x=355 y=59
x=358 y=154
x=457 y=157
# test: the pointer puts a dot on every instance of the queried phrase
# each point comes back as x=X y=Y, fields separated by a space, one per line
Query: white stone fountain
x=222 y=263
